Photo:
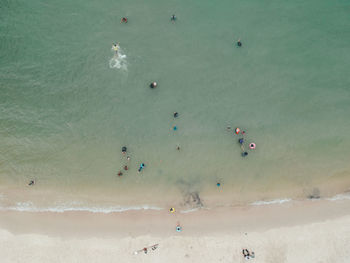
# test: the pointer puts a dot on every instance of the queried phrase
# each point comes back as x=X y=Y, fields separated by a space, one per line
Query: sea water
x=68 y=103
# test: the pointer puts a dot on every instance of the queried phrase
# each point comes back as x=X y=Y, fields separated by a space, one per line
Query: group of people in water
x=173 y=18
x=242 y=141
x=142 y=165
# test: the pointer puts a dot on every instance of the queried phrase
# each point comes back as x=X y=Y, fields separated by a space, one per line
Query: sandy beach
x=305 y=231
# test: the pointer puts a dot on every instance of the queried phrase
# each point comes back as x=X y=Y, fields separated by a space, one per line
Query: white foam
x=118 y=61
x=272 y=202
x=189 y=210
x=339 y=197
x=29 y=207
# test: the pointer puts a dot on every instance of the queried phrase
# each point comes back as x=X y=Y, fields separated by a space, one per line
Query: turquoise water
x=65 y=113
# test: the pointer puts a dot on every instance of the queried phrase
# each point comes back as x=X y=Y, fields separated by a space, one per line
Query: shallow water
x=65 y=113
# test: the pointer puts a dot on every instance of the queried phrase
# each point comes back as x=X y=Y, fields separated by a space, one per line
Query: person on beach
x=154 y=247
x=246 y=253
x=31 y=182
x=252 y=255
x=178 y=228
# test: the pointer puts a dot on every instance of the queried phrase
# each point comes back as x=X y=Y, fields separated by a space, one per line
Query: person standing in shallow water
x=31 y=182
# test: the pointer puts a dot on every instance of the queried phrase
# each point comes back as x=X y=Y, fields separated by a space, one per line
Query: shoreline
x=194 y=204
x=222 y=219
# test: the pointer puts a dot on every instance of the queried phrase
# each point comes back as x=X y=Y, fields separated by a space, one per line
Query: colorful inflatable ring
x=237 y=130
x=252 y=146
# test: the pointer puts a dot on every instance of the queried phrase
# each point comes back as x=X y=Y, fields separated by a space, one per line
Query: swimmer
x=128 y=158
x=244 y=154
x=173 y=18
x=124 y=150
x=176 y=114
x=241 y=141
x=228 y=128
x=120 y=173
x=124 y=20
x=172 y=210
x=178 y=148
x=218 y=184
x=115 y=47
x=178 y=228
x=174 y=128
x=126 y=168
x=239 y=43
x=142 y=165
x=31 y=182
x=153 y=85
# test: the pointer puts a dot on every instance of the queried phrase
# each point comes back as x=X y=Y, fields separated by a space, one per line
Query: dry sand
x=309 y=231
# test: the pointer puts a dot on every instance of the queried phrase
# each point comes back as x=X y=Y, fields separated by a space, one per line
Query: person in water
x=173 y=18
x=124 y=20
x=115 y=47
x=124 y=150
x=31 y=182
x=142 y=165
x=153 y=85
x=239 y=43
x=176 y=114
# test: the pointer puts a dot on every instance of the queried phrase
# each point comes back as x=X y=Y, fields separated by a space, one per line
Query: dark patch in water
x=315 y=194
x=192 y=199
x=190 y=195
